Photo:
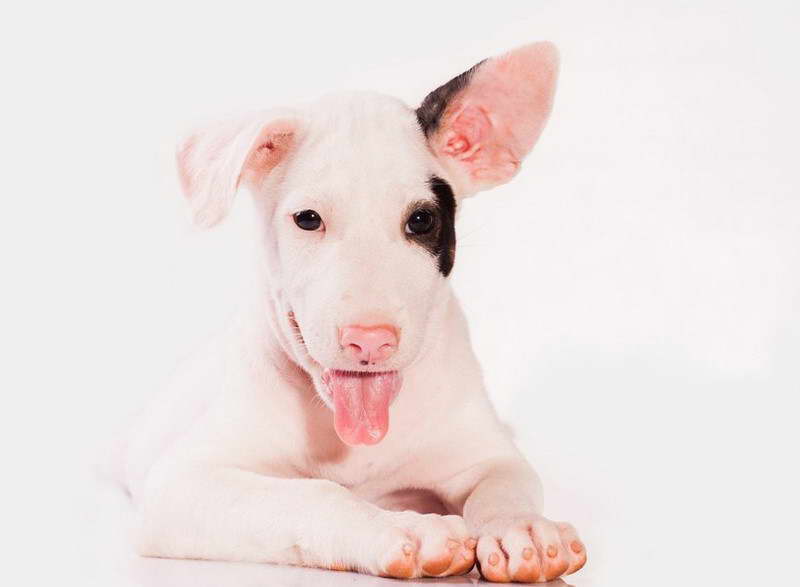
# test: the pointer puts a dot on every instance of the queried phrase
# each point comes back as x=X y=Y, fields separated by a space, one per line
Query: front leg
x=502 y=506
x=219 y=513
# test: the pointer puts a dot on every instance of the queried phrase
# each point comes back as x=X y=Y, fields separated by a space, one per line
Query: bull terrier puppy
x=341 y=421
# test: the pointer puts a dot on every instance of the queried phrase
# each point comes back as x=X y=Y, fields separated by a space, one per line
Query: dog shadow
x=152 y=572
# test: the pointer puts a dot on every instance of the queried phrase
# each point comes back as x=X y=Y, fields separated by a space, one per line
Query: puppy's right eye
x=308 y=220
x=420 y=222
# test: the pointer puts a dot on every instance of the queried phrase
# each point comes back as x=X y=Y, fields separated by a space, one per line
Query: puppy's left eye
x=420 y=222
x=308 y=220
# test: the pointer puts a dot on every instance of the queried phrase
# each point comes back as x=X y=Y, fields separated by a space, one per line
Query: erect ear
x=482 y=124
x=214 y=162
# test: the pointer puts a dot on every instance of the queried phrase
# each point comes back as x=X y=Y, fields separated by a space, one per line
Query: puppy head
x=357 y=197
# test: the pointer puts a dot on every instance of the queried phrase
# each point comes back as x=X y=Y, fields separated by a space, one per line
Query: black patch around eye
x=429 y=113
x=440 y=240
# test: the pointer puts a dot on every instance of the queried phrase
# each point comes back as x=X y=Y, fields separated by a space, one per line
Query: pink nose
x=369 y=344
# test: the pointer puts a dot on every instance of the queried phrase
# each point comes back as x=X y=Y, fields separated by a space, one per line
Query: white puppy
x=275 y=444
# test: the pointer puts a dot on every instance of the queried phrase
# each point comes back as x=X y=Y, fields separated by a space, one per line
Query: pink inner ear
x=468 y=130
x=493 y=124
x=272 y=146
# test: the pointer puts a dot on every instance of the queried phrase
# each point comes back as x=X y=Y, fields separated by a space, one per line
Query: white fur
x=240 y=461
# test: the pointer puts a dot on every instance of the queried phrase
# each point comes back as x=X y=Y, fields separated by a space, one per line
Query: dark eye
x=308 y=220
x=420 y=222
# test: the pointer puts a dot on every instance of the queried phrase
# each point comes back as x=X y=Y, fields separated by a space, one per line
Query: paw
x=430 y=545
x=529 y=549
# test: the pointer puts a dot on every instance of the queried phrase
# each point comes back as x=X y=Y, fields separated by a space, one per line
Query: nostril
x=369 y=344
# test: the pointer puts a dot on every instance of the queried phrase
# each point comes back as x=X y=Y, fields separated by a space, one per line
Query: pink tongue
x=361 y=404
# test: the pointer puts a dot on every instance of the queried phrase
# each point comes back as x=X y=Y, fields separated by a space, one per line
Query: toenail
x=527 y=553
x=576 y=546
x=471 y=543
x=494 y=559
x=552 y=551
x=407 y=548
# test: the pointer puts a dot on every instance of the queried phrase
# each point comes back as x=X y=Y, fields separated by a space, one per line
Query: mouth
x=360 y=399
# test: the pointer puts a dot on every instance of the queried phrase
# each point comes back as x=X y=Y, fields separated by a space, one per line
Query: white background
x=634 y=294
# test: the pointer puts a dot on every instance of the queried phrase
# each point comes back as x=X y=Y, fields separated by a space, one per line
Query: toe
x=552 y=554
x=492 y=561
x=440 y=542
x=464 y=560
x=574 y=548
x=437 y=548
x=523 y=560
x=437 y=562
x=400 y=558
x=462 y=544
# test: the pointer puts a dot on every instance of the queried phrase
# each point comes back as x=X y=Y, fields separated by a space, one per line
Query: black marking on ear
x=429 y=113
x=441 y=241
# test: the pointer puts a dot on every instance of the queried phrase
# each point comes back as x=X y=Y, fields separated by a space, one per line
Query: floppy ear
x=482 y=124
x=213 y=163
